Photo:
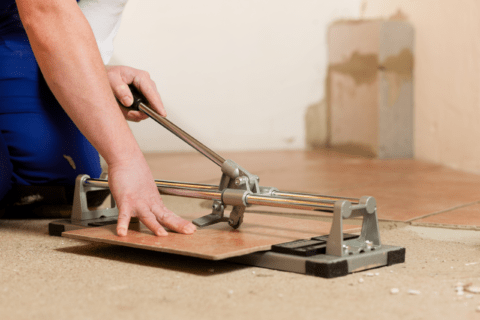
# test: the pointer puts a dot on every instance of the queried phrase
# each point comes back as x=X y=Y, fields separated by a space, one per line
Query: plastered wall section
x=447 y=76
x=369 y=88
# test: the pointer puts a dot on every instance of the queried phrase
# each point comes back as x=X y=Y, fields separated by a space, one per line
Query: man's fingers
x=123 y=221
x=145 y=216
x=150 y=221
x=120 y=89
x=135 y=116
x=148 y=88
x=173 y=222
x=120 y=77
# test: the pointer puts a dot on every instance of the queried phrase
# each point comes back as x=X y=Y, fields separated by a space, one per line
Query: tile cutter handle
x=233 y=175
x=140 y=103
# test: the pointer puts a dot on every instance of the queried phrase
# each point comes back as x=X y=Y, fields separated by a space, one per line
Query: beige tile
x=219 y=241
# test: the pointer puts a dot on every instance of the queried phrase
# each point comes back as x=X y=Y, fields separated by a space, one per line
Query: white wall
x=237 y=75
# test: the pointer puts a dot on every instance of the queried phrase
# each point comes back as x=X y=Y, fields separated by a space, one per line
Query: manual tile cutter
x=327 y=256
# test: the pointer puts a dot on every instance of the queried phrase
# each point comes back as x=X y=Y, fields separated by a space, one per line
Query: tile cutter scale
x=327 y=256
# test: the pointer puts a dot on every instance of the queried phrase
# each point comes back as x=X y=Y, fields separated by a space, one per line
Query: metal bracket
x=369 y=239
x=236 y=183
x=80 y=211
x=235 y=177
x=216 y=216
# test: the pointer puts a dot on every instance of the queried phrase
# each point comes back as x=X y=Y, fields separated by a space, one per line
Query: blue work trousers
x=39 y=143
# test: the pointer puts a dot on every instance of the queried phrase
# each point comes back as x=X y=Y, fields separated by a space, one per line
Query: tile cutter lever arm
x=141 y=104
x=233 y=176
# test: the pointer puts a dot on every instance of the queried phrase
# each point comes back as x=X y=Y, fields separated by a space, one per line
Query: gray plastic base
x=323 y=265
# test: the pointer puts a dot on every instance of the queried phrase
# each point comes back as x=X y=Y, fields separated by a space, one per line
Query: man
x=39 y=144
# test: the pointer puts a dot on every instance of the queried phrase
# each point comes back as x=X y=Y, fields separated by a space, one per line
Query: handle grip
x=138 y=98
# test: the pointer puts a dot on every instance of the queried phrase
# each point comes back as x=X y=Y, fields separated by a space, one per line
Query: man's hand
x=136 y=194
x=120 y=77
x=131 y=181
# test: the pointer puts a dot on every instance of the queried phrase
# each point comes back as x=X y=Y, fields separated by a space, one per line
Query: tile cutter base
x=318 y=265
x=323 y=265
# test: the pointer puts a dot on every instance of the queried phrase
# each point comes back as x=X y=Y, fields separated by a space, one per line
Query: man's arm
x=66 y=51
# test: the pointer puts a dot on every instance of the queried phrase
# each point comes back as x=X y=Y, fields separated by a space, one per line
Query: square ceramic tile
x=216 y=242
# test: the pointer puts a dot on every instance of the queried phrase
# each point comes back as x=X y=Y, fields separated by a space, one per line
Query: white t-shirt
x=104 y=18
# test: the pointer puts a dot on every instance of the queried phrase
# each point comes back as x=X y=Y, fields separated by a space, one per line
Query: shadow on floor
x=32 y=226
x=154 y=259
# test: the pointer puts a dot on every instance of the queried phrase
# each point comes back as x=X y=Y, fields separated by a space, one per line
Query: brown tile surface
x=404 y=189
x=421 y=193
x=185 y=167
x=335 y=173
x=466 y=216
x=194 y=167
x=219 y=241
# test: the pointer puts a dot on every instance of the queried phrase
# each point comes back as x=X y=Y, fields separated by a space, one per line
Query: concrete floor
x=47 y=277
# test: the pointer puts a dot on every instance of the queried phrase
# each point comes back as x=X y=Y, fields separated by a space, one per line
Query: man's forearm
x=66 y=51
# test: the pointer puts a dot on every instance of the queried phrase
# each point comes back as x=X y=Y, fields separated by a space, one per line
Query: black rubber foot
x=326 y=270
x=55 y=229
x=395 y=257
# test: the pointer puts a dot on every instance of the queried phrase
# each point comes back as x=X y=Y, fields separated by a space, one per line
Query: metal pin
x=240 y=181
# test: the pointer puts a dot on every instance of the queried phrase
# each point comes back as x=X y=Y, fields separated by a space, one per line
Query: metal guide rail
x=330 y=256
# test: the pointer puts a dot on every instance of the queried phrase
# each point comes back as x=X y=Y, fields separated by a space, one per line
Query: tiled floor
x=463 y=217
x=405 y=190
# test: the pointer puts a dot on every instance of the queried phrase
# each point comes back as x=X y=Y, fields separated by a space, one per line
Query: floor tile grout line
x=444 y=211
x=445 y=226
